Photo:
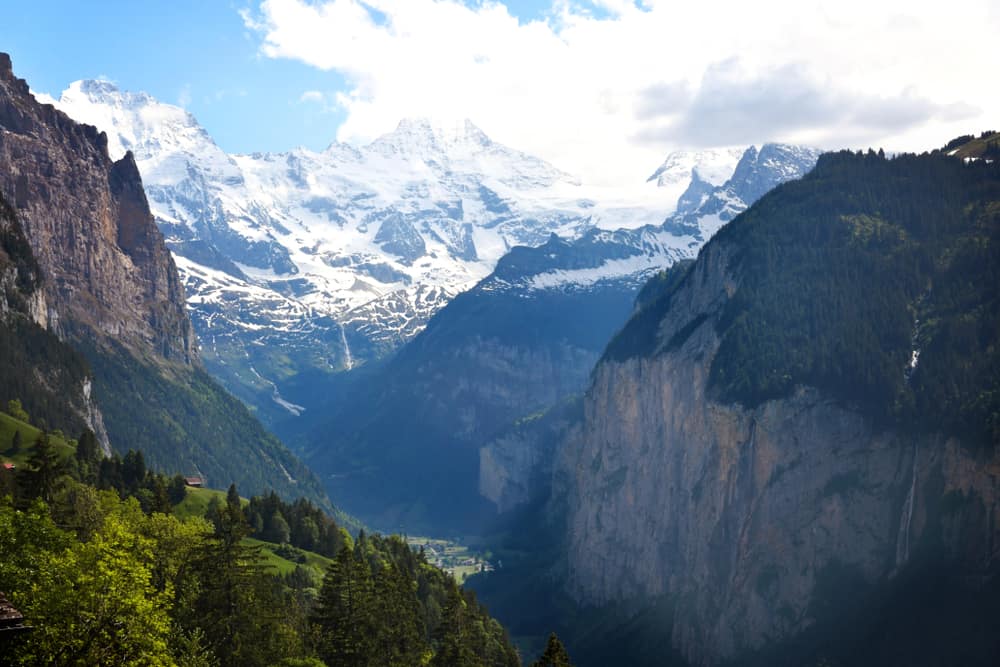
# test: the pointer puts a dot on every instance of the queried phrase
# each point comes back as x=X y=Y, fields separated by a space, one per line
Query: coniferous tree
x=344 y=613
x=453 y=634
x=176 y=490
x=88 y=454
x=45 y=467
x=133 y=470
x=399 y=642
x=555 y=654
x=238 y=606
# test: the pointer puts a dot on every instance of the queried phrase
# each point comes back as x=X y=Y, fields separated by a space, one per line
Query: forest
x=98 y=555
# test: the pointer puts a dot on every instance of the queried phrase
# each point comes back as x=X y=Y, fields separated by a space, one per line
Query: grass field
x=278 y=564
x=196 y=503
x=29 y=434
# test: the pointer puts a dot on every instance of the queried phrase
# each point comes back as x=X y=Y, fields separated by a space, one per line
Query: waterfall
x=348 y=359
x=903 y=541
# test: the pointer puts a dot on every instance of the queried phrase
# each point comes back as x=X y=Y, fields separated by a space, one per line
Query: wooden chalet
x=11 y=620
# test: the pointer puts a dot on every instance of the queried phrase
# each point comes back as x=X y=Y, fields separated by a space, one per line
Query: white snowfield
x=466 y=198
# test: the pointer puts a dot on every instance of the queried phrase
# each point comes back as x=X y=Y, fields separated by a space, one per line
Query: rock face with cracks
x=737 y=514
x=106 y=269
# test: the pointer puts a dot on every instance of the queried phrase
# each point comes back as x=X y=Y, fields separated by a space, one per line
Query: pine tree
x=555 y=654
x=87 y=449
x=88 y=454
x=237 y=606
x=133 y=470
x=344 y=614
x=45 y=468
x=176 y=490
x=453 y=634
x=399 y=642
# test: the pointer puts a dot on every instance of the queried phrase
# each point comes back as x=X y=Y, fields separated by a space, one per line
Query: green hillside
x=29 y=434
x=186 y=423
x=986 y=145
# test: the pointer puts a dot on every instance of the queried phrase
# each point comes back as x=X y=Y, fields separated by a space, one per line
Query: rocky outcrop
x=107 y=272
x=112 y=293
x=515 y=466
x=37 y=373
x=739 y=516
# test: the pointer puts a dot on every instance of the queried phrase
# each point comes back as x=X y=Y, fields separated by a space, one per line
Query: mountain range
x=755 y=424
x=439 y=427
x=300 y=265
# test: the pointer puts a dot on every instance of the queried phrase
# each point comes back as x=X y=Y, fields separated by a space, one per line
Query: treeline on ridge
x=873 y=279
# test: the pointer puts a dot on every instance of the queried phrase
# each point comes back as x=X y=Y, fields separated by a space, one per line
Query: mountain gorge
x=107 y=285
x=794 y=437
x=441 y=427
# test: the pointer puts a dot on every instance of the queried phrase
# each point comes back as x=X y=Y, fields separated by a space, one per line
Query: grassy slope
x=977 y=147
x=29 y=434
x=195 y=504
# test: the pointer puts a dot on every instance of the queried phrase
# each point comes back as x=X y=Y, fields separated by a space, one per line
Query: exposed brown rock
x=734 y=513
x=106 y=269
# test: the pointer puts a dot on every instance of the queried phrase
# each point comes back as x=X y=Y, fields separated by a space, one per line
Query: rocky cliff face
x=34 y=363
x=515 y=466
x=107 y=271
x=742 y=516
x=112 y=292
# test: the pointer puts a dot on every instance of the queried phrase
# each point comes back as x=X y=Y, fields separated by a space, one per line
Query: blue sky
x=197 y=53
x=600 y=88
x=192 y=51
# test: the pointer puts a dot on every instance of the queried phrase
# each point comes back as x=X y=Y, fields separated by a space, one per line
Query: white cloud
x=605 y=89
x=184 y=96
x=312 y=96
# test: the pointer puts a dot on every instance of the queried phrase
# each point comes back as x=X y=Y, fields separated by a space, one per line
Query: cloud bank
x=604 y=89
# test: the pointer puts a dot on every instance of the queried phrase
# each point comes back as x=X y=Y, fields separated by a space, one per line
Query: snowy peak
x=133 y=121
x=342 y=255
x=102 y=91
x=760 y=171
x=713 y=166
x=420 y=137
x=687 y=177
x=460 y=147
x=168 y=143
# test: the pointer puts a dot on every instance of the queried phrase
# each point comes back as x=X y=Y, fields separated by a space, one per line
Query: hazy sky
x=603 y=89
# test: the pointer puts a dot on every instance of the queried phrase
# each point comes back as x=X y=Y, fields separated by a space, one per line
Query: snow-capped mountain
x=633 y=255
x=517 y=345
x=321 y=261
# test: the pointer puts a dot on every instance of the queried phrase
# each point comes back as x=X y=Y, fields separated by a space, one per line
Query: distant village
x=451 y=557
